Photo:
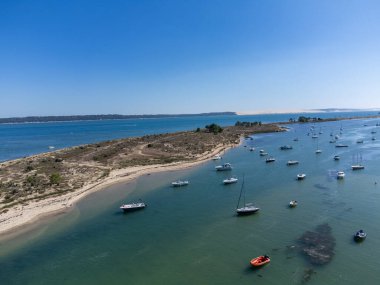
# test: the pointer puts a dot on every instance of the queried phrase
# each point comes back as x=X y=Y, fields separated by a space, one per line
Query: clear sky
x=183 y=56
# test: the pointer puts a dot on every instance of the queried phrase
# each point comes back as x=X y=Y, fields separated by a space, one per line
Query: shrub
x=55 y=178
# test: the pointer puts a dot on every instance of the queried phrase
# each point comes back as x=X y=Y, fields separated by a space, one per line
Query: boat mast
x=241 y=191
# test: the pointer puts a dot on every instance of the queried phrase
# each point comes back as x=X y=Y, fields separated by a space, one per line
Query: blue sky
x=183 y=56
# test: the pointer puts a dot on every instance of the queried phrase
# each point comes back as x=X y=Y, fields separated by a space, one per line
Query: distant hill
x=41 y=119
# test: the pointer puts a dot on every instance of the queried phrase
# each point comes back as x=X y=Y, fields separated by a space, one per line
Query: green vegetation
x=214 y=128
x=33 y=181
x=247 y=124
x=303 y=119
x=55 y=178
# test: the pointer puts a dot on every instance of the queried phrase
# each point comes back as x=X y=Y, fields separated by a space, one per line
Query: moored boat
x=180 y=183
x=340 y=175
x=133 y=206
x=248 y=208
x=263 y=153
x=292 y=162
x=357 y=167
x=293 y=203
x=217 y=157
x=260 y=260
x=230 y=180
x=341 y=145
x=336 y=157
x=223 y=167
x=301 y=176
x=270 y=159
x=360 y=235
x=286 y=147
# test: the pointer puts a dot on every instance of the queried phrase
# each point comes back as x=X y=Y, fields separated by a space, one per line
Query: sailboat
x=358 y=164
x=247 y=209
x=318 y=150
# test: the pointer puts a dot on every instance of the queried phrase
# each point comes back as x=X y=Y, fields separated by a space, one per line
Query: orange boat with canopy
x=260 y=260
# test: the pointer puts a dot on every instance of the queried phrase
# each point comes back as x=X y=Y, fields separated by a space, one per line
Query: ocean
x=192 y=235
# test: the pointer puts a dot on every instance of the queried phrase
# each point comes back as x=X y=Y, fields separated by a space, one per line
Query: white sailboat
x=358 y=165
x=247 y=209
x=318 y=151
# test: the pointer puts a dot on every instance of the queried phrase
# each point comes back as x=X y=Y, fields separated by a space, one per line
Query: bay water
x=192 y=235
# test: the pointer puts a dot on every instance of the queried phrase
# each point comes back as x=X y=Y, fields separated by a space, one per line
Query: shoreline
x=12 y=221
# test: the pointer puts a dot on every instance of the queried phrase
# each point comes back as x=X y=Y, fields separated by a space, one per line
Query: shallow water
x=191 y=235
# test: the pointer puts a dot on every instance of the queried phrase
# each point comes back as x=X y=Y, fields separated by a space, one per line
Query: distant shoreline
x=76 y=118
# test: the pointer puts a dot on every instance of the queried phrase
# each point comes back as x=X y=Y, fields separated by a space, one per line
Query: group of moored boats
x=249 y=208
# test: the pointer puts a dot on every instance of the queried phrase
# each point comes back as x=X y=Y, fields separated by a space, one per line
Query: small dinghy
x=293 y=203
x=360 y=235
x=301 y=176
x=260 y=261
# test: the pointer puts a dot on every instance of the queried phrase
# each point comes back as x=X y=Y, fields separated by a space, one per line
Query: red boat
x=260 y=261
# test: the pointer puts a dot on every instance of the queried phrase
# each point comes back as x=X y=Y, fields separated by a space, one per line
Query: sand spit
x=43 y=184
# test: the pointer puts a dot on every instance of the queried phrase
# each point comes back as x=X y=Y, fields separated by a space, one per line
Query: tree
x=214 y=128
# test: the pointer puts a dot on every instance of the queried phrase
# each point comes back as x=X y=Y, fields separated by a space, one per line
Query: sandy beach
x=20 y=215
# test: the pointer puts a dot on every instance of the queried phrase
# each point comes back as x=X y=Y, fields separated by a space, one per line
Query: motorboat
x=230 y=180
x=332 y=141
x=292 y=162
x=270 y=159
x=314 y=136
x=360 y=235
x=336 y=157
x=260 y=261
x=223 y=167
x=251 y=149
x=301 y=176
x=263 y=153
x=180 y=183
x=133 y=206
x=318 y=151
x=293 y=203
x=340 y=175
x=360 y=141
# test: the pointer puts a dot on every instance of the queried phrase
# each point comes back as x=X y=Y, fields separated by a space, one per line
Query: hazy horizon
x=178 y=57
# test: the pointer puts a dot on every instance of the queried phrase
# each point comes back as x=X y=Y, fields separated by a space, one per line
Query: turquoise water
x=191 y=235
x=19 y=140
